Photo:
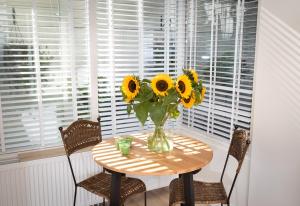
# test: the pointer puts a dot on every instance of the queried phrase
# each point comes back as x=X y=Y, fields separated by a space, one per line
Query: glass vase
x=159 y=141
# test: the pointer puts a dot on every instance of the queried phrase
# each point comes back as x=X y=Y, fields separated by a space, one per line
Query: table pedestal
x=188 y=155
x=189 y=194
x=115 y=189
x=188 y=187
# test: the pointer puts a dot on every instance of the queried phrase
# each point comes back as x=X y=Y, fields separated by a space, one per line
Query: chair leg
x=75 y=194
x=103 y=201
x=145 y=198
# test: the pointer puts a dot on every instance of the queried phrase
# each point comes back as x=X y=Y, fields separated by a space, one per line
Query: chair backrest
x=238 y=147
x=80 y=134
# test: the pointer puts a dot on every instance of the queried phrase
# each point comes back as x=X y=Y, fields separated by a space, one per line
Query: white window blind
x=221 y=45
x=46 y=59
x=44 y=72
x=133 y=37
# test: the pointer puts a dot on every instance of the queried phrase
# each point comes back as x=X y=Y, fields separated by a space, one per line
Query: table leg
x=115 y=189
x=188 y=185
x=180 y=176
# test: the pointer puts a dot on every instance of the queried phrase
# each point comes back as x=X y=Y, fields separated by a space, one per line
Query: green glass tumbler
x=124 y=147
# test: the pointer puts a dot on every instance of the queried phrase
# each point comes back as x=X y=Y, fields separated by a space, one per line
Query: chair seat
x=205 y=193
x=100 y=184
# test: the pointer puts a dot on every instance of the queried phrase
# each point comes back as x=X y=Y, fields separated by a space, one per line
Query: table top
x=188 y=155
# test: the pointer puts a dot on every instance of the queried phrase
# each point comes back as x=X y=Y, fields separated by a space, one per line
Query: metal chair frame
x=70 y=163
x=68 y=154
x=239 y=166
x=238 y=147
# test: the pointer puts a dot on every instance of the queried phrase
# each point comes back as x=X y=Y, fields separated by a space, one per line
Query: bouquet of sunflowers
x=159 y=99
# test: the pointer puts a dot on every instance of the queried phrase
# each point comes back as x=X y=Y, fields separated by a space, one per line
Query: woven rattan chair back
x=80 y=134
x=238 y=147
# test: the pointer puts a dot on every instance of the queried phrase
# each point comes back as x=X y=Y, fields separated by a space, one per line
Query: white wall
x=275 y=162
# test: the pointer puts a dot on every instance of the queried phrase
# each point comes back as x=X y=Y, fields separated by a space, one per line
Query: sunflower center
x=187 y=100
x=132 y=86
x=181 y=86
x=161 y=85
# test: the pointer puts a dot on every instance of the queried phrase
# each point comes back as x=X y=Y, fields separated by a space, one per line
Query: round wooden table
x=188 y=156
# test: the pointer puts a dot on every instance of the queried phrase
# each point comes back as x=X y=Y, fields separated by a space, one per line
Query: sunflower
x=184 y=86
x=130 y=87
x=161 y=83
x=192 y=74
x=189 y=102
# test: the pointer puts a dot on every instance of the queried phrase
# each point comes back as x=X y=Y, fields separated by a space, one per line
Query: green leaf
x=194 y=84
x=157 y=113
x=141 y=111
x=200 y=84
x=145 y=93
x=175 y=114
x=170 y=98
x=147 y=96
x=146 y=80
x=197 y=97
x=129 y=109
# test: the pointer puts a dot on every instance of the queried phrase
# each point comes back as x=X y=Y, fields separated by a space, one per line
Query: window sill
x=215 y=142
x=207 y=138
x=45 y=153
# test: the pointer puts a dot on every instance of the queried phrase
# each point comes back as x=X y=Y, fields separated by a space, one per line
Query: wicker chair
x=81 y=134
x=214 y=193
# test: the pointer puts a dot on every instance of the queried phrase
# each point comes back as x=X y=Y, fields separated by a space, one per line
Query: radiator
x=48 y=182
